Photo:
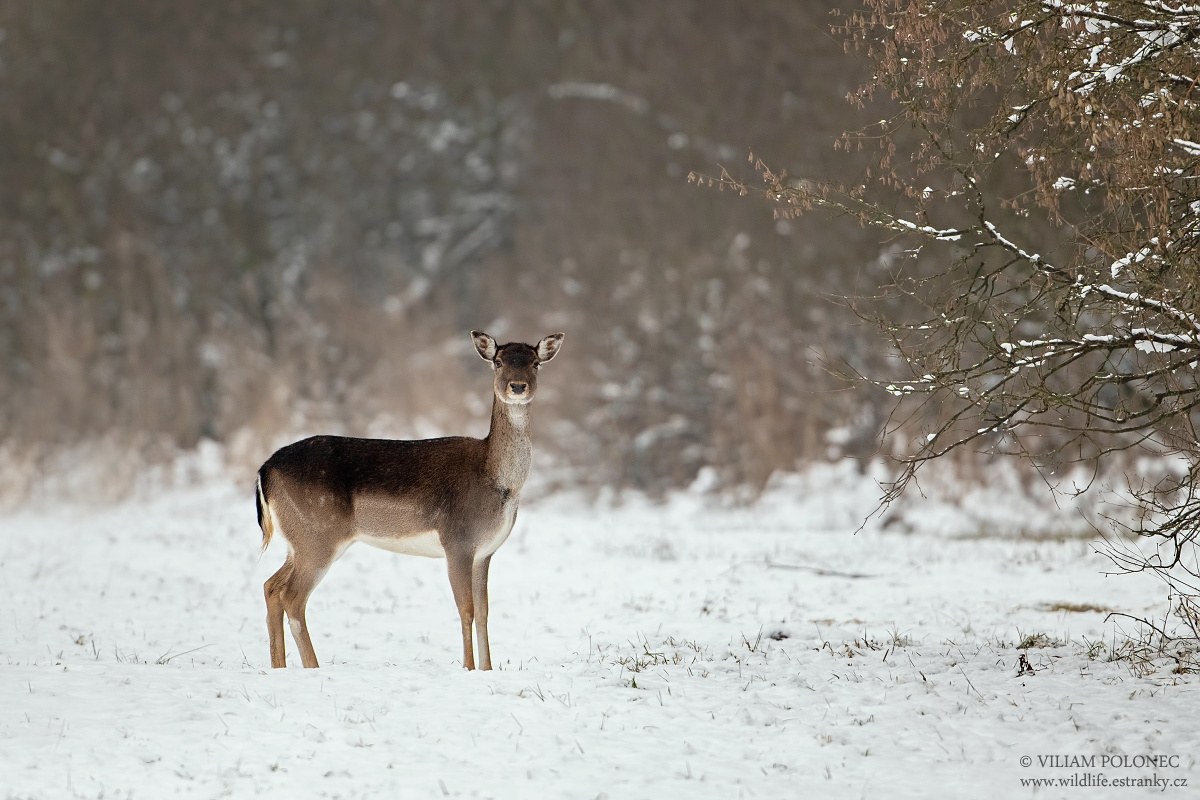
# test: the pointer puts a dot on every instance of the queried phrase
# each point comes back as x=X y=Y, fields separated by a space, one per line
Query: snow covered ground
x=643 y=651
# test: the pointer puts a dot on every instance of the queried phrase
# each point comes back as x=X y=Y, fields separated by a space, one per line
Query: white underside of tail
x=269 y=521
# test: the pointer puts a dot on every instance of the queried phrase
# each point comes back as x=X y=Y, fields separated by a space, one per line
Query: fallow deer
x=454 y=498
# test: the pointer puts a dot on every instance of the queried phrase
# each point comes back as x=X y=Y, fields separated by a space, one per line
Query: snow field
x=642 y=651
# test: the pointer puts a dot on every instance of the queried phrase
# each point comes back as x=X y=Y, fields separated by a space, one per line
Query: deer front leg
x=479 y=579
x=460 y=582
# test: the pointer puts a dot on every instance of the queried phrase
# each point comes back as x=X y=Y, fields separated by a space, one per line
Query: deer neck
x=509 y=449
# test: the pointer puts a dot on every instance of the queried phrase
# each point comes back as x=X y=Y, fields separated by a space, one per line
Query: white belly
x=425 y=544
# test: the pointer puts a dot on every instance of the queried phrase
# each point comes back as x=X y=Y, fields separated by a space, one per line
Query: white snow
x=683 y=650
x=945 y=235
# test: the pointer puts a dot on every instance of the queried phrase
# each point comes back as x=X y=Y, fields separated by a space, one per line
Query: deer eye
x=498 y=363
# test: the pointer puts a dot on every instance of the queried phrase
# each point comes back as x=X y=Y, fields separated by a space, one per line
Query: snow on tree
x=1041 y=158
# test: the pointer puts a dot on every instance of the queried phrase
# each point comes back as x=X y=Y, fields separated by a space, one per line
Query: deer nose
x=518 y=388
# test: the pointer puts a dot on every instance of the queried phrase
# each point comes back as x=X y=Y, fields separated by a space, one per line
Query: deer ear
x=548 y=348
x=485 y=345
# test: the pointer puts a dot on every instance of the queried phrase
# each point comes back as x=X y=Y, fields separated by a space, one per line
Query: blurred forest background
x=243 y=222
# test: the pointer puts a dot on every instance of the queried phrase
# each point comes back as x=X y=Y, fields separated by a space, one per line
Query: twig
x=165 y=658
x=964 y=674
x=823 y=571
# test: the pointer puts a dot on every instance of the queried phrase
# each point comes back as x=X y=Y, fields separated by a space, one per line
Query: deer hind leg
x=295 y=602
x=274 y=590
x=479 y=579
x=460 y=566
x=287 y=592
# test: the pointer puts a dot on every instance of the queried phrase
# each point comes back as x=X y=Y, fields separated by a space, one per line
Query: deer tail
x=265 y=520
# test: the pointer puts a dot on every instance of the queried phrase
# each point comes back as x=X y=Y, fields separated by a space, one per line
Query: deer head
x=516 y=364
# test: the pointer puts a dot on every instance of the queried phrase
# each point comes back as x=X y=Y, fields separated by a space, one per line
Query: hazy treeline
x=241 y=221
